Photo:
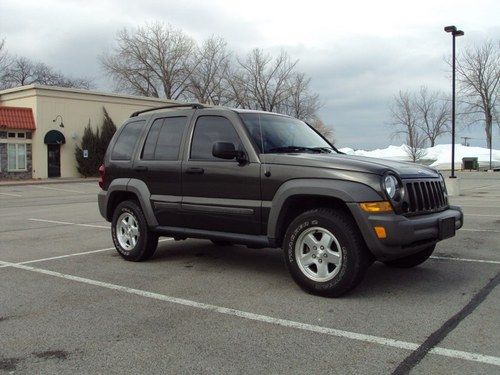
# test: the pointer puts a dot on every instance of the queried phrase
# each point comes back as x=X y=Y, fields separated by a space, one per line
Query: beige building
x=46 y=148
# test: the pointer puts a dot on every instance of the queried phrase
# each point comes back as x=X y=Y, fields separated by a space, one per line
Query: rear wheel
x=412 y=260
x=130 y=233
x=325 y=253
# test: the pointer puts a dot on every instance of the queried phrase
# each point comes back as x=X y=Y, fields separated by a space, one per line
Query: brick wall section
x=5 y=174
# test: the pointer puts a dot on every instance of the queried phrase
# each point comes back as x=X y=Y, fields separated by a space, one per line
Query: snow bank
x=438 y=156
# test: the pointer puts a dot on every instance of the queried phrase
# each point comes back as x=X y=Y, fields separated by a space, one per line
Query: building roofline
x=36 y=87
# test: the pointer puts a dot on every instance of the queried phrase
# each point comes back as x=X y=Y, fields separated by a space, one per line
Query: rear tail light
x=102 y=174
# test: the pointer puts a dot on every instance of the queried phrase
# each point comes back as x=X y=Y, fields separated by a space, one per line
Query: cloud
x=358 y=54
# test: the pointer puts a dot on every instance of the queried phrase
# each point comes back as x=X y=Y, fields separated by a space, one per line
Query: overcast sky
x=357 y=53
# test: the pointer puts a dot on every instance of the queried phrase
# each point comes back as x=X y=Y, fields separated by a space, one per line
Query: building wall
x=77 y=108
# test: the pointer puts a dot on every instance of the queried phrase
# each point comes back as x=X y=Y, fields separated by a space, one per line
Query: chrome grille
x=424 y=195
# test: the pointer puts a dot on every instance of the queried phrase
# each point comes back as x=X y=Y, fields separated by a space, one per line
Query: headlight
x=391 y=186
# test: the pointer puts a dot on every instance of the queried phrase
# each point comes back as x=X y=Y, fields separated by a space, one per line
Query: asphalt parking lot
x=69 y=303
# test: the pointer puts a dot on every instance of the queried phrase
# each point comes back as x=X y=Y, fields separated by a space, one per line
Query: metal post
x=491 y=148
x=453 y=112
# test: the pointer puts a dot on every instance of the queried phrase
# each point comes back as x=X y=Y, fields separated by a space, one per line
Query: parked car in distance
x=266 y=180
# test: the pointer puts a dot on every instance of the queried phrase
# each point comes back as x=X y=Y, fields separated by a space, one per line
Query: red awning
x=16 y=118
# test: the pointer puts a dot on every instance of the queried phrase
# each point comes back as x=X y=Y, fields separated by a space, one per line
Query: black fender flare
x=347 y=191
x=140 y=189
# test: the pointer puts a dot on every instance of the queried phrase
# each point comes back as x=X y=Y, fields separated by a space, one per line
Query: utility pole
x=454 y=32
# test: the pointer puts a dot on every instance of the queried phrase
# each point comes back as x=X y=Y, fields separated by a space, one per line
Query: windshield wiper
x=327 y=150
x=300 y=149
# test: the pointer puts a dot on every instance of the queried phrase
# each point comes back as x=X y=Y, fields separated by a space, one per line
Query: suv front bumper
x=405 y=235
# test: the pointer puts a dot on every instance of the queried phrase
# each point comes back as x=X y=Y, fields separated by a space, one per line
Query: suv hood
x=352 y=163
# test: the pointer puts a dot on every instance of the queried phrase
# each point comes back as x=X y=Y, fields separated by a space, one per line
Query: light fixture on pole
x=454 y=32
x=61 y=125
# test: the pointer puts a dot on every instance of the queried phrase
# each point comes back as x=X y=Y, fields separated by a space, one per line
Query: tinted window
x=164 y=139
x=126 y=141
x=148 y=152
x=211 y=129
x=273 y=133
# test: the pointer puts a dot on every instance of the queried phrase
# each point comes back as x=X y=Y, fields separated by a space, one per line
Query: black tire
x=355 y=257
x=146 y=243
x=221 y=243
x=412 y=260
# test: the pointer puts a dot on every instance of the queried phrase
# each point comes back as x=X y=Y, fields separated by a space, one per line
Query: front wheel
x=130 y=233
x=412 y=260
x=325 y=252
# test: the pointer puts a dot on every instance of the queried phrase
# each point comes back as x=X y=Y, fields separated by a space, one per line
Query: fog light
x=383 y=206
x=380 y=232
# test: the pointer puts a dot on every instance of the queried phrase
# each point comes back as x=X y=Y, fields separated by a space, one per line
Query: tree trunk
x=488 y=125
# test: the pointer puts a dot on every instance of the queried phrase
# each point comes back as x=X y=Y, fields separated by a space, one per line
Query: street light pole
x=454 y=32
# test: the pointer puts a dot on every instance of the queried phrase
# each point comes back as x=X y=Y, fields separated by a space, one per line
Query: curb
x=48 y=181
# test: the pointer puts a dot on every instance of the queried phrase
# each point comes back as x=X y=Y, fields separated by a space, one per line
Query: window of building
x=16 y=157
x=125 y=144
x=164 y=139
x=211 y=129
x=21 y=135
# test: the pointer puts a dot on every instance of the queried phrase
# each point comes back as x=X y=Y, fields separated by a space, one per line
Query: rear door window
x=125 y=144
x=164 y=139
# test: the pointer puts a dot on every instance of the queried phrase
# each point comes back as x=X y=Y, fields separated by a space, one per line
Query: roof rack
x=180 y=105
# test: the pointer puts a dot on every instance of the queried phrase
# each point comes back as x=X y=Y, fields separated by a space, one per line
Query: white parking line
x=476 y=357
x=12 y=195
x=466 y=259
x=474 y=206
x=481 y=187
x=76 y=254
x=482 y=215
x=59 y=189
x=68 y=223
x=480 y=230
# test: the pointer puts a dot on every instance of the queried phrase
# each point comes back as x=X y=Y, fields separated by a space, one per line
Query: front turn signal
x=376 y=207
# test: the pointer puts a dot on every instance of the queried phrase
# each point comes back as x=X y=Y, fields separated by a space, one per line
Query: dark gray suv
x=266 y=180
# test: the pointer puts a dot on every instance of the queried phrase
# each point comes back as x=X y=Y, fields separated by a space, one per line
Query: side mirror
x=224 y=150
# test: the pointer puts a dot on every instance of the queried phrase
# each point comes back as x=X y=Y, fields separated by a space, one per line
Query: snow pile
x=438 y=156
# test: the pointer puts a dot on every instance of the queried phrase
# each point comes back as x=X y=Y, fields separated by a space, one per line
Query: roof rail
x=180 y=105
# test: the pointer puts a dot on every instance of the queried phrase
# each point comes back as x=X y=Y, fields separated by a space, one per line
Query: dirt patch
x=51 y=354
x=9 y=364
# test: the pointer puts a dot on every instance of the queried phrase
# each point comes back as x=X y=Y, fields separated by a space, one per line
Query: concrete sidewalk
x=47 y=181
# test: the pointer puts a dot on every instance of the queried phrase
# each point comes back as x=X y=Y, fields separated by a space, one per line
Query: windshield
x=273 y=133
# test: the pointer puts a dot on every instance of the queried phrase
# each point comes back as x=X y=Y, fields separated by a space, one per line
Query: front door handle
x=141 y=168
x=194 y=170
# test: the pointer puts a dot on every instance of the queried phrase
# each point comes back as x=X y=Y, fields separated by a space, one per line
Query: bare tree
x=299 y=101
x=208 y=82
x=156 y=60
x=160 y=61
x=405 y=120
x=432 y=114
x=4 y=59
x=478 y=73
x=264 y=81
x=325 y=130
x=23 y=71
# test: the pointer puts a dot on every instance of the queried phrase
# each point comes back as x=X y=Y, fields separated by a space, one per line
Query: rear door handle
x=141 y=168
x=195 y=170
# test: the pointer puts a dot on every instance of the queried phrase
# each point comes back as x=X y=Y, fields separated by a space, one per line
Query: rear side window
x=164 y=139
x=211 y=129
x=125 y=144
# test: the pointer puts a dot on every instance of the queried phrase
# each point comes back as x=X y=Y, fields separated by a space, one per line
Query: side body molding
x=346 y=191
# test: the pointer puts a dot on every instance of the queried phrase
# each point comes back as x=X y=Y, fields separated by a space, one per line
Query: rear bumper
x=405 y=235
x=102 y=201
